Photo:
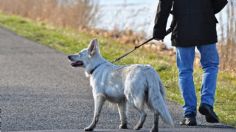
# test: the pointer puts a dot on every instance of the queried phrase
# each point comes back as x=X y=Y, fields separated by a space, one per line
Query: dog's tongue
x=77 y=63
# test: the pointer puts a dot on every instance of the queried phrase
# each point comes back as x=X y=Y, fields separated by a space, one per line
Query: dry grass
x=227 y=46
x=76 y=14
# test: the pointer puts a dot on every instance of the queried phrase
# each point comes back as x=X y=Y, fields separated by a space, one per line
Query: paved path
x=39 y=90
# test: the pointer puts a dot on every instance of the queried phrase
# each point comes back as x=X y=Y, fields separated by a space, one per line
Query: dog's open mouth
x=77 y=64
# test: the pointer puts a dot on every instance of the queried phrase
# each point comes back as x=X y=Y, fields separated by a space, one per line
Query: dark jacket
x=194 y=22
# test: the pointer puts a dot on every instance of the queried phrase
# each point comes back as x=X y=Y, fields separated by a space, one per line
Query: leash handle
x=136 y=47
x=167 y=32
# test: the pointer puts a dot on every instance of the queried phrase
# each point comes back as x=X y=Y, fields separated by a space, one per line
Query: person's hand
x=157 y=35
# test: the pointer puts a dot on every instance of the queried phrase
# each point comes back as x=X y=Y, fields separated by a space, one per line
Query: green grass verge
x=70 y=41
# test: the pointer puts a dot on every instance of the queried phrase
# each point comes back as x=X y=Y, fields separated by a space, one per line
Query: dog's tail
x=156 y=97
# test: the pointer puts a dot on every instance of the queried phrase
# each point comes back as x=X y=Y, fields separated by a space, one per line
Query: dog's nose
x=69 y=57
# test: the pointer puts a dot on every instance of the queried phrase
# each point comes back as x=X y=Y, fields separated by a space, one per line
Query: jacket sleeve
x=218 y=5
x=162 y=14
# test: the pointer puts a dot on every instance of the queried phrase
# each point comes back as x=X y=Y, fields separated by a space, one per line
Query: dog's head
x=84 y=57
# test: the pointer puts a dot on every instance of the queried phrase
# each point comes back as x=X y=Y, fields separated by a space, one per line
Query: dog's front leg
x=98 y=103
x=122 y=107
x=156 y=122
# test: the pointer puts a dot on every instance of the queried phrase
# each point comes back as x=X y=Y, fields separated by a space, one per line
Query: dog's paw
x=154 y=129
x=88 y=129
x=123 y=126
x=137 y=127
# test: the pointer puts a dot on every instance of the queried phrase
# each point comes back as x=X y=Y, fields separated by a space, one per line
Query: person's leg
x=185 y=59
x=209 y=61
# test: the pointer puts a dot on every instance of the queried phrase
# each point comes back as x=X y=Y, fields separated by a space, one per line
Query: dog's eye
x=81 y=54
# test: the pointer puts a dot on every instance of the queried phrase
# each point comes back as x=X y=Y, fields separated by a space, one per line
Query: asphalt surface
x=39 y=90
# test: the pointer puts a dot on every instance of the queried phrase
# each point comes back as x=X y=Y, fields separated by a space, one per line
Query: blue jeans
x=209 y=61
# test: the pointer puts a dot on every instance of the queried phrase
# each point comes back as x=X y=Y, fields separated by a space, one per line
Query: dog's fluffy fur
x=134 y=84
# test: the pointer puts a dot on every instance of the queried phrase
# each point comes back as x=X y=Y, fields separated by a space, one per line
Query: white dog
x=136 y=84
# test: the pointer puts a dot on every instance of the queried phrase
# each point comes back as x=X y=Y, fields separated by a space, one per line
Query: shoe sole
x=193 y=123
x=209 y=117
x=188 y=124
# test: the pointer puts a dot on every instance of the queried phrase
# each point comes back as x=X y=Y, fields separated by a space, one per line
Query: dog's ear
x=92 y=48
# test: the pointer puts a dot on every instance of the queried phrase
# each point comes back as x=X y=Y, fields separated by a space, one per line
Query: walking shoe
x=189 y=121
x=210 y=115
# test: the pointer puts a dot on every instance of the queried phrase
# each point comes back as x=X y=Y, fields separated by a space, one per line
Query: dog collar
x=91 y=72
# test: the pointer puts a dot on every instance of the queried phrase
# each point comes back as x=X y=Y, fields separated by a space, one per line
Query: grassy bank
x=69 y=41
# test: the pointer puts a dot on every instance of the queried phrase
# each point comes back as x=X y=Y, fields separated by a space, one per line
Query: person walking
x=193 y=25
